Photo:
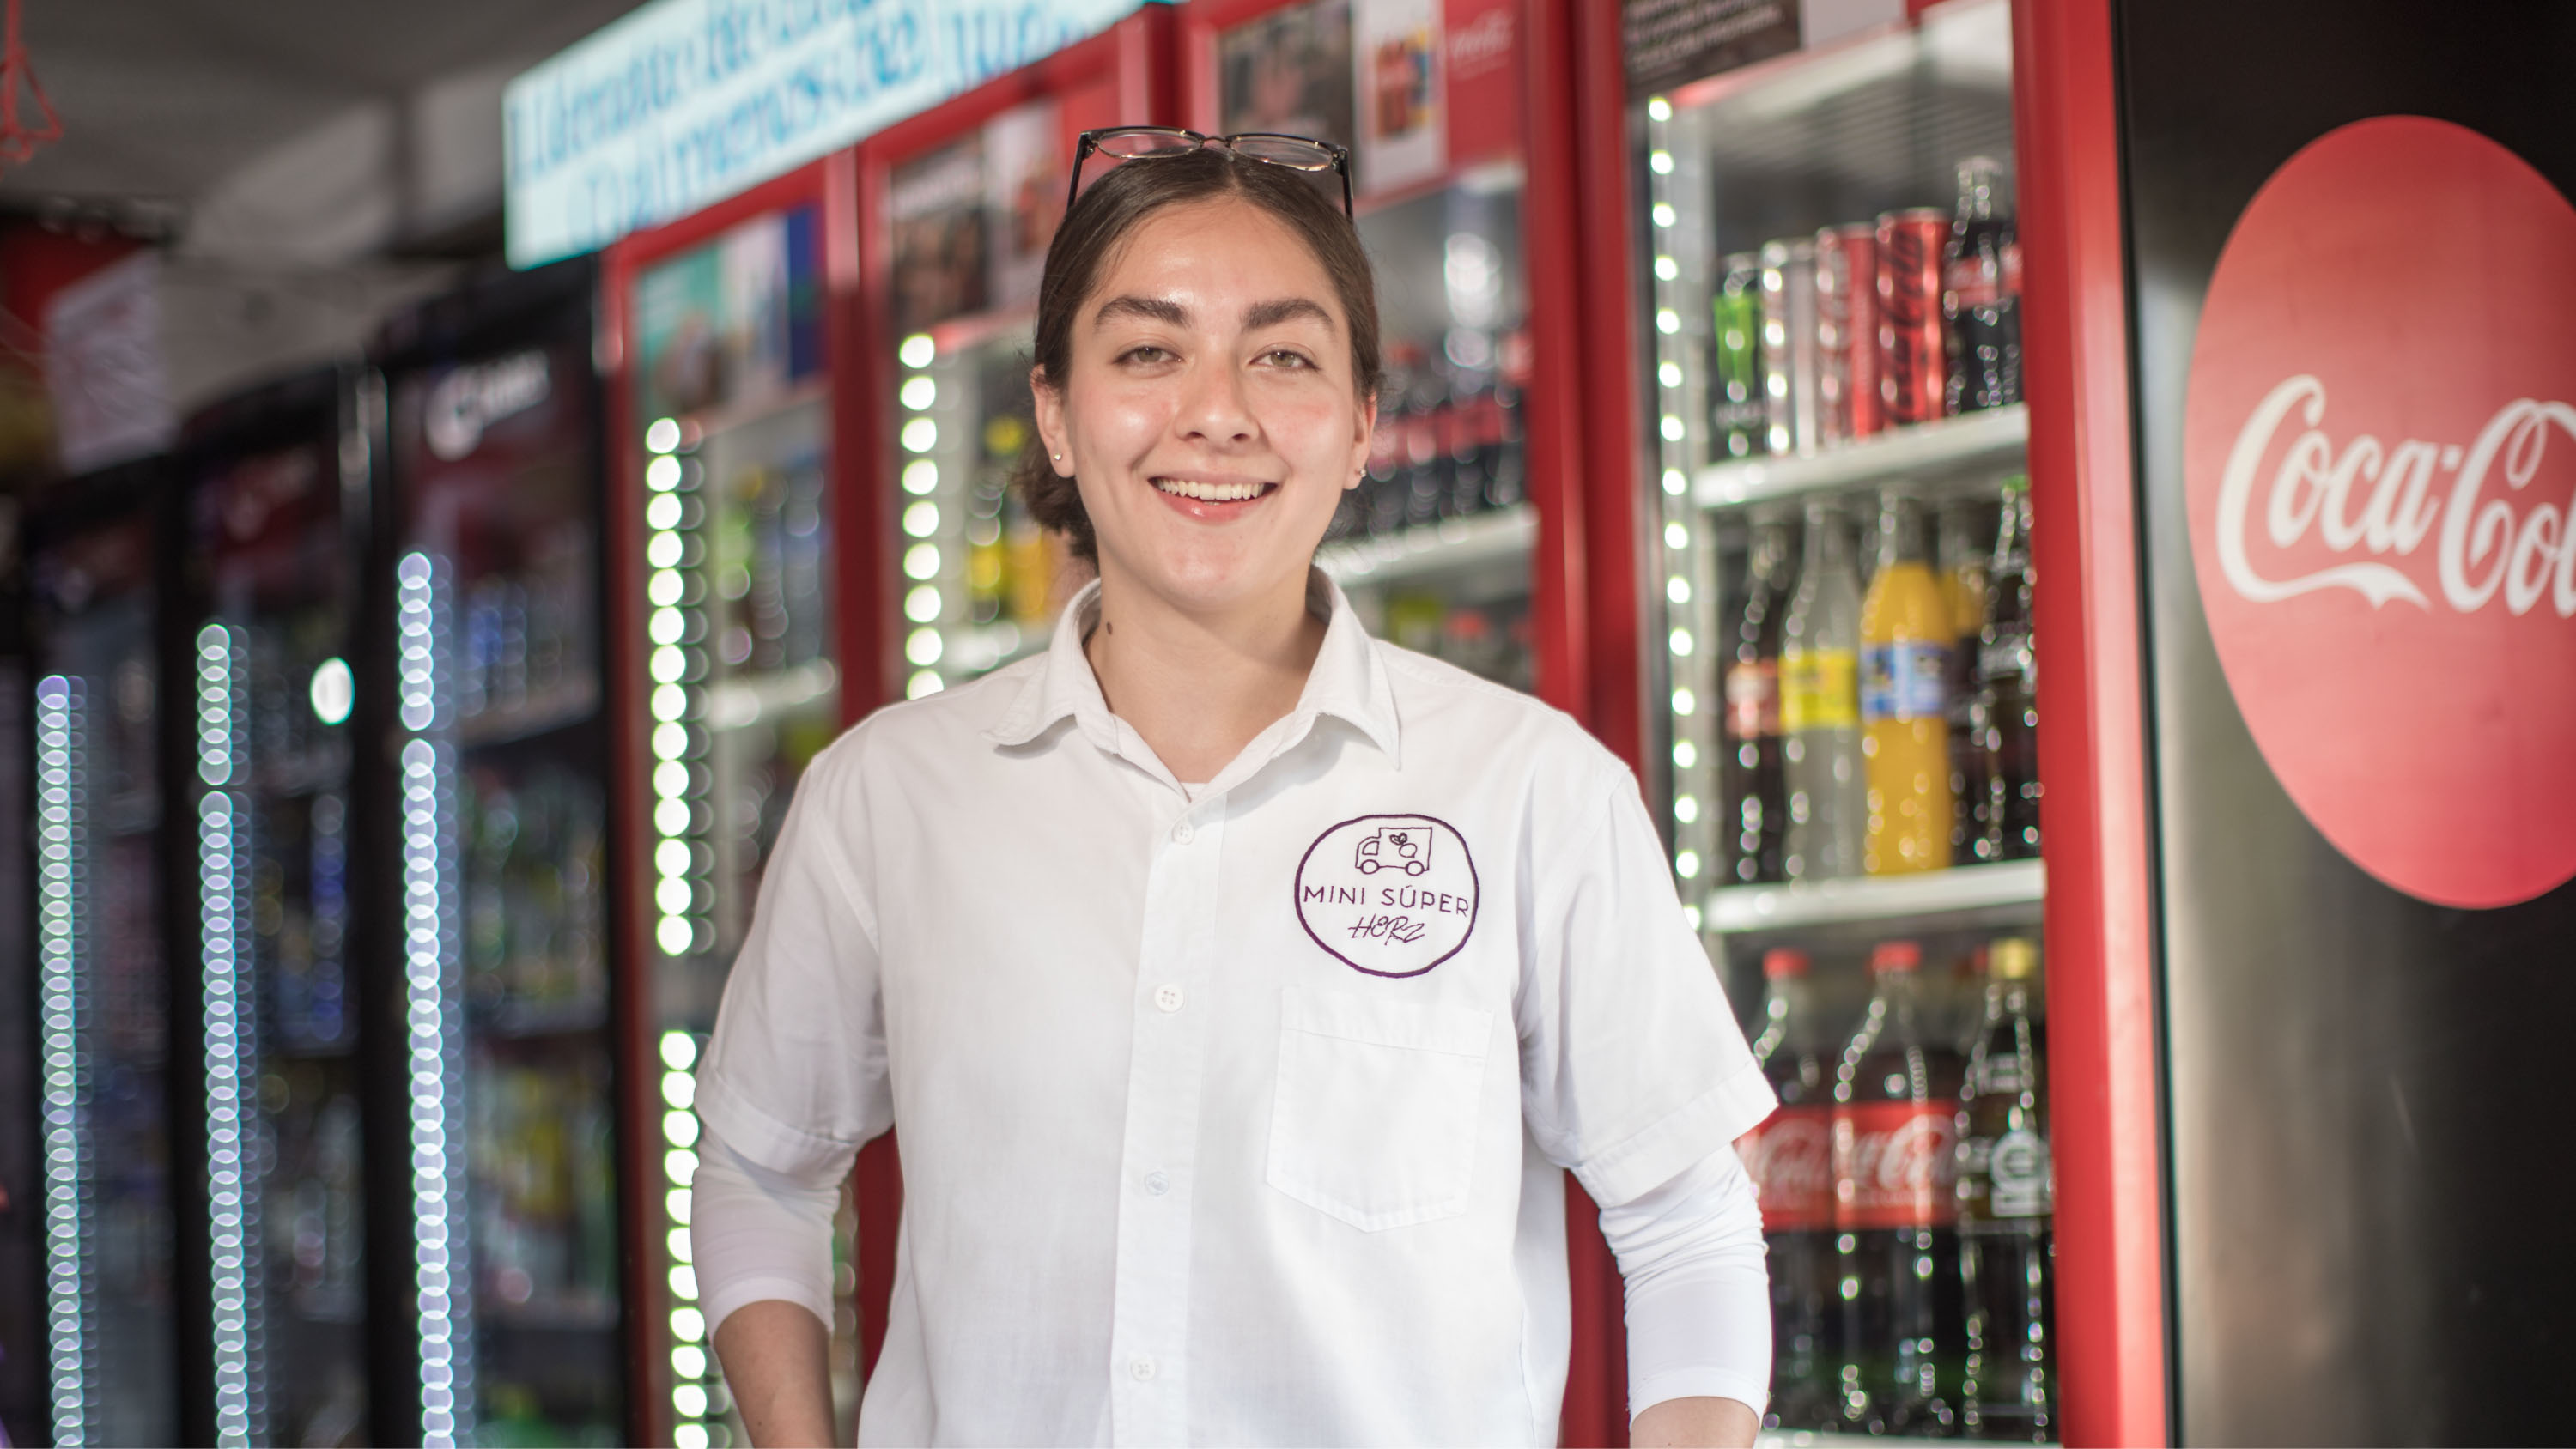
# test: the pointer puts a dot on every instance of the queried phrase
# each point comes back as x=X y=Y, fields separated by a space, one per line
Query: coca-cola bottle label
x=1753 y=699
x=1790 y=1158
x=1895 y=1165
x=2023 y=1184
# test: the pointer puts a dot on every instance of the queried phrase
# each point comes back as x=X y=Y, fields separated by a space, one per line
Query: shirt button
x=1182 y=832
x=1142 y=1367
x=1168 y=998
x=1157 y=1184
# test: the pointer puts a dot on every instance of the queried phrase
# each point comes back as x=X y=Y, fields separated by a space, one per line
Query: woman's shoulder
x=1459 y=713
x=911 y=733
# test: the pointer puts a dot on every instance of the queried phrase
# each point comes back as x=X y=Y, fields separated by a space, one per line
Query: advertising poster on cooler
x=1023 y=196
x=941 y=235
x=1290 y=73
x=738 y=320
x=1399 y=81
x=2356 y=432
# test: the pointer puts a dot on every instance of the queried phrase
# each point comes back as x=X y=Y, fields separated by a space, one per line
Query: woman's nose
x=1215 y=406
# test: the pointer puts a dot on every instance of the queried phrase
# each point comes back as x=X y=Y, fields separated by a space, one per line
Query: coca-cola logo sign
x=1790 y=1158
x=2380 y=472
x=1896 y=1164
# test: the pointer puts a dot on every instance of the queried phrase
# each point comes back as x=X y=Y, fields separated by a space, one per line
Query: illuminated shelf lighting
x=441 y=1249
x=1970 y=447
x=681 y=709
x=234 y=1242
x=2009 y=889
x=62 y=815
x=691 y=1365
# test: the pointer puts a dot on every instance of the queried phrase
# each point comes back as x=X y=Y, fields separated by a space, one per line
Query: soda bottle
x=1981 y=292
x=1739 y=413
x=2007 y=1195
x=1820 y=708
x=1964 y=537
x=1790 y=1159
x=1907 y=633
x=2008 y=692
x=1896 y=1131
x=1757 y=790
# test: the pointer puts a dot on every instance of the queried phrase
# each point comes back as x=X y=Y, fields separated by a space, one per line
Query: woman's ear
x=1360 y=444
x=1050 y=410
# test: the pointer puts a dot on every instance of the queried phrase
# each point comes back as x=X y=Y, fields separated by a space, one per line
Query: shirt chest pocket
x=1374 y=1120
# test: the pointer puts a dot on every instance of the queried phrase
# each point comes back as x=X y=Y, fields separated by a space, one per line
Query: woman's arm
x=761 y=1242
x=776 y=1362
x=1699 y=1306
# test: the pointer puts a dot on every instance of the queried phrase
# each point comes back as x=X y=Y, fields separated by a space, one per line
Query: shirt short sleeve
x=795 y=1077
x=1632 y=1065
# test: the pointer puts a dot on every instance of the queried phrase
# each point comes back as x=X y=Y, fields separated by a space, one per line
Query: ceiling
x=162 y=99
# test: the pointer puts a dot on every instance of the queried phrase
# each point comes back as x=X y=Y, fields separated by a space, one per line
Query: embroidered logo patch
x=1391 y=895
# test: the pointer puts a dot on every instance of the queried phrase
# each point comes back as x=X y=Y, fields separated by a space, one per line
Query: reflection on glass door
x=273 y=695
x=103 y=991
x=743 y=683
x=501 y=774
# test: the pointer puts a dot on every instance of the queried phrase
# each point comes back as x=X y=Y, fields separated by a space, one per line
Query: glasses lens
x=1148 y=141
x=1293 y=151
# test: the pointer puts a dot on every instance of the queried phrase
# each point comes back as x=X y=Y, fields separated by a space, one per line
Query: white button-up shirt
x=1234 y=1119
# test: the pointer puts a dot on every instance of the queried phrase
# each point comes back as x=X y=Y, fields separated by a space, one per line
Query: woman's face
x=1209 y=412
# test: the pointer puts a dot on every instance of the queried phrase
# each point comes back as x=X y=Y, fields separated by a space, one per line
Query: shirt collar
x=1348 y=681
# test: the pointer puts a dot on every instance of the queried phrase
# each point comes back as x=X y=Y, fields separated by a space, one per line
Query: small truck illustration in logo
x=1395 y=847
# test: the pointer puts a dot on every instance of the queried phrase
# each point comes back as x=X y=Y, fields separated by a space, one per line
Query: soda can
x=1739 y=413
x=1913 y=377
x=1847 y=332
x=1789 y=342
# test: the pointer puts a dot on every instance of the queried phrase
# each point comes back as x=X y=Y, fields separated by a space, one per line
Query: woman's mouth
x=1213 y=499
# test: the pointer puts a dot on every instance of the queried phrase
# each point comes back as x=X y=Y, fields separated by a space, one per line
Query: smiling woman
x=1247 y=1123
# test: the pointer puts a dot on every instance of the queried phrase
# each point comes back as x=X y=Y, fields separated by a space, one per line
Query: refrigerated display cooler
x=113 y=1194
x=743 y=619
x=275 y=515
x=1849 y=551
x=962 y=202
x=510 y=1254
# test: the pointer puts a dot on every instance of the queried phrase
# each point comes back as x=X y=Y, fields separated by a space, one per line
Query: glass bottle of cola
x=1790 y=1159
x=1896 y=1131
x=1755 y=768
x=2006 y=716
x=1981 y=291
x=2007 y=1199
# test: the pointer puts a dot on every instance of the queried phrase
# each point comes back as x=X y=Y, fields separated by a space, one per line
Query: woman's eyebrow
x=1151 y=309
x=1284 y=309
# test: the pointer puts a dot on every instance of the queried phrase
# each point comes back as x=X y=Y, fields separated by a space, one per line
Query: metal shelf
x=1443 y=547
x=1970 y=890
x=1965 y=446
x=745 y=700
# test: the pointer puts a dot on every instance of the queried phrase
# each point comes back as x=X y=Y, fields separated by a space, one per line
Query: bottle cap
x=1895 y=956
x=2014 y=958
x=1783 y=961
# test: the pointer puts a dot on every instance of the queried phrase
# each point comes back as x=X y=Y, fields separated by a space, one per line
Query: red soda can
x=1913 y=376
x=1847 y=331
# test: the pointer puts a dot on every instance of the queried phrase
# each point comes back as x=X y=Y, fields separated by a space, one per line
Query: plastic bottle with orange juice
x=1907 y=630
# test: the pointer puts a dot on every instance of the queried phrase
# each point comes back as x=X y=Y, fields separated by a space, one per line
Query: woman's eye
x=1282 y=357
x=1146 y=354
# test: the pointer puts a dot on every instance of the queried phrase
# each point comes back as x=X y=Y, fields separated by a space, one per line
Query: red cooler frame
x=2103 y=1054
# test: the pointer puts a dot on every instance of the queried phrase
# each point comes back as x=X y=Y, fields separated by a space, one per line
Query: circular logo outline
x=1475 y=903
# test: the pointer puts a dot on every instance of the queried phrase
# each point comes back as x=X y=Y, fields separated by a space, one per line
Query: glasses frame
x=1090 y=145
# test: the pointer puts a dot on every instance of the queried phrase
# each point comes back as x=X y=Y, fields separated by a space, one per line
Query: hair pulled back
x=1108 y=213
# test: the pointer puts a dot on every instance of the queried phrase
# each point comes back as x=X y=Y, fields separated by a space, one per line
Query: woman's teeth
x=1210 y=492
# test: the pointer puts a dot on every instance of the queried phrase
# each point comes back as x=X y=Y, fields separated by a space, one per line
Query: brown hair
x=1111 y=210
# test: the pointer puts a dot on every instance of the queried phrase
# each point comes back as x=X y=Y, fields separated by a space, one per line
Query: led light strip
x=232 y=1210
x=1687 y=568
x=675 y=625
x=923 y=562
x=441 y=1252
x=61 y=840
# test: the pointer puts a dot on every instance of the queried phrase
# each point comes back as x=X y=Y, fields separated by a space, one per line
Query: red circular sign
x=2380 y=468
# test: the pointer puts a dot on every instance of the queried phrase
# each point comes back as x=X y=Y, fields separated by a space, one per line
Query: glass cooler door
x=1838 y=595
x=743 y=684
x=103 y=1002
x=273 y=696
x=501 y=770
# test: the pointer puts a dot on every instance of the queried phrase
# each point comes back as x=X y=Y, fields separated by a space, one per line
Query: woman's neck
x=1198 y=686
